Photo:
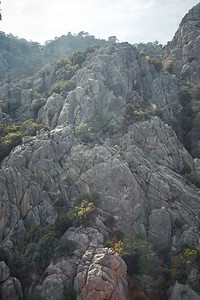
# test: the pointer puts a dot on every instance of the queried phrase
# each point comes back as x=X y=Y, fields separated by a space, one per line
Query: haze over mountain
x=131 y=21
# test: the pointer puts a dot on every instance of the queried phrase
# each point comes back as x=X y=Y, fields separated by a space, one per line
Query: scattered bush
x=62 y=87
x=70 y=294
x=169 y=67
x=33 y=297
x=85 y=208
x=83 y=132
x=3 y=255
x=37 y=103
x=185 y=96
x=63 y=221
x=10 y=137
x=109 y=221
x=157 y=63
x=193 y=177
x=36 y=248
x=85 y=212
x=30 y=127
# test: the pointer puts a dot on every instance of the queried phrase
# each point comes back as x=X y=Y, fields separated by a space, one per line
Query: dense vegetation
x=188 y=124
x=21 y=58
x=153 y=270
x=151 y=49
x=11 y=136
x=65 y=69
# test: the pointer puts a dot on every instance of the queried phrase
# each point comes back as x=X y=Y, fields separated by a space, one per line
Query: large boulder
x=183 y=54
x=101 y=275
x=4 y=271
x=49 y=113
x=11 y=289
x=182 y=292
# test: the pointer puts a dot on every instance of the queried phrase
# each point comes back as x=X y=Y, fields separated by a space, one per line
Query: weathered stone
x=182 y=291
x=84 y=238
x=4 y=271
x=101 y=275
x=11 y=289
x=184 y=53
x=52 y=288
x=49 y=113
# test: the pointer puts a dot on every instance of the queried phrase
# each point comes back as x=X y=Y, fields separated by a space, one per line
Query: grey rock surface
x=184 y=53
x=85 y=239
x=4 y=271
x=100 y=275
x=112 y=76
x=49 y=113
x=11 y=289
x=182 y=292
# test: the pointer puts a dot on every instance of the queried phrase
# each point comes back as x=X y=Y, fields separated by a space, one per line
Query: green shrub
x=62 y=87
x=37 y=103
x=70 y=294
x=10 y=138
x=109 y=221
x=63 y=221
x=30 y=127
x=6 y=108
x=36 y=248
x=83 y=132
x=185 y=96
x=65 y=248
x=193 y=177
x=169 y=67
x=117 y=235
x=77 y=58
x=157 y=63
x=84 y=212
x=108 y=242
x=182 y=262
x=3 y=255
x=33 y=297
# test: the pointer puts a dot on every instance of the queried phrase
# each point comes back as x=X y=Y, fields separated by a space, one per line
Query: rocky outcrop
x=5 y=119
x=100 y=275
x=10 y=287
x=113 y=76
x=61 y=274
x=20 y=96
x=49 y=113
x=183 y=55
x=182 y=291
x=4 y=271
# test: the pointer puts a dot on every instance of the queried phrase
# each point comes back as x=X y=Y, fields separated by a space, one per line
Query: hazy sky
x=129 y=20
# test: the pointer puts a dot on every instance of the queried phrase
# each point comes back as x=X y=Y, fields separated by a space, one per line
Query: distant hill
x=20 y=58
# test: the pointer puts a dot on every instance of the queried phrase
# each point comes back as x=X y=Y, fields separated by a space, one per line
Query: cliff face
x=106 y=139
x=184 y=53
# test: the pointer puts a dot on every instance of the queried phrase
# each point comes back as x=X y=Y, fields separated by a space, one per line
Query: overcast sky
x=130 y=20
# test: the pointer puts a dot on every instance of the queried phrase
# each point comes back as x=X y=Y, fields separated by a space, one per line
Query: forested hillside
x=20 y=58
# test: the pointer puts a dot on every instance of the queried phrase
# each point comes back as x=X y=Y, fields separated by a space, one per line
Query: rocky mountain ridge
x=183 y=56
x=108 y=137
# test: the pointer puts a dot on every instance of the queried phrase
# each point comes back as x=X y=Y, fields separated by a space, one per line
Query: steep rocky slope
x=184 y=54
x=106 y=139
